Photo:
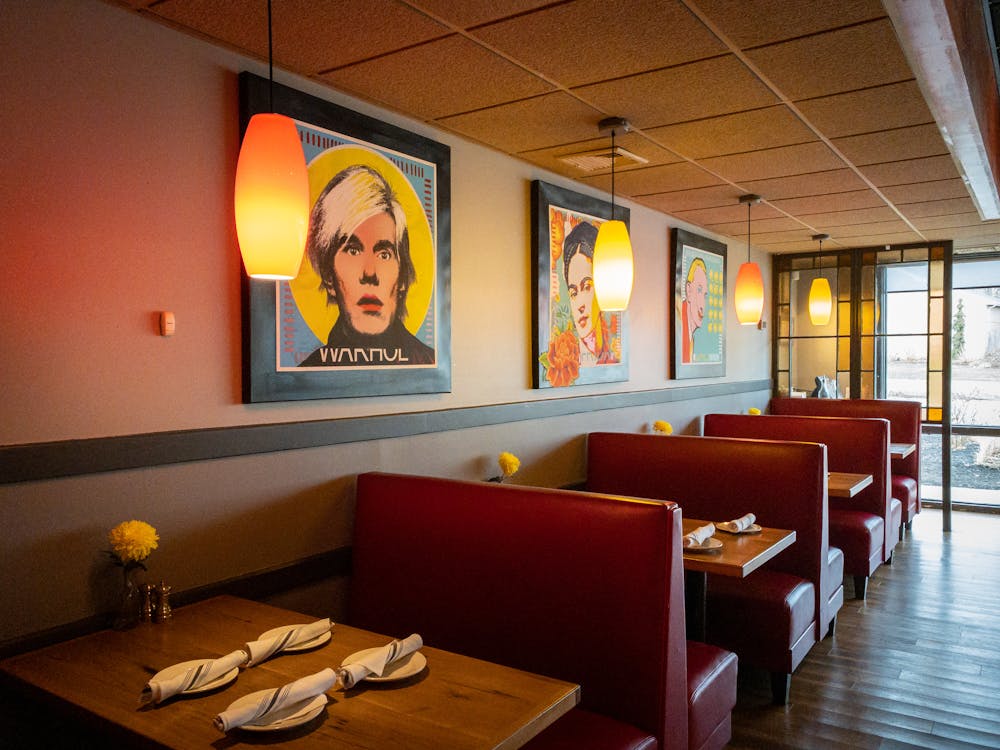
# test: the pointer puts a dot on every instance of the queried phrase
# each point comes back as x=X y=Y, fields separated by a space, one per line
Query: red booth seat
x=772 y=617
x=857 y=525
x=904 y=427
x=581 y=587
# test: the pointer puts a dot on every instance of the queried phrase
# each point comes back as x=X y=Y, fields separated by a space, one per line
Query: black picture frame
x=555 y=338
x=705 y=356
x=267 y=376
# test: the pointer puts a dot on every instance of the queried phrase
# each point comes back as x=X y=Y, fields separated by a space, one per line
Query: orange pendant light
x=271 y=193
x=749 y=295
x=614 y=267
x=820 y=297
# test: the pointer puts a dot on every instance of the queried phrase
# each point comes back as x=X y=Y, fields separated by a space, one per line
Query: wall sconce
x=820 y=298
x=613 y=262
x=749 y=295
x=272 y=191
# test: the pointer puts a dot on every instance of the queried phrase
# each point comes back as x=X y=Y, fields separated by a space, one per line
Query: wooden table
x=740 y=555
x=845 y=484
x=456 y=702
x=901 y=450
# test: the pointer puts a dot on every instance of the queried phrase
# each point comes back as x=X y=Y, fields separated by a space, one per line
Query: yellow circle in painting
x=307 y=289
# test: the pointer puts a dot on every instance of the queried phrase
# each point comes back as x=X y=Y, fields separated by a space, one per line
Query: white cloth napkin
x=376 y=662
x=159 y=690
x=699 y=535
x=265 y=648
x=272 y=702
x=739 y=524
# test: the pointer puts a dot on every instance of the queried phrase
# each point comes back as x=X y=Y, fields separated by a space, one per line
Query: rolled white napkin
x=271 y=702
x=376 y=662
x=739 y=524
x=159 y=690
x=699 y=535
x=265 y=648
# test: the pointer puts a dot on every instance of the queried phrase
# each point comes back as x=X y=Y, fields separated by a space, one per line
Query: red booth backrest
x=903 y=416
x=586 y=588
x=717 y=479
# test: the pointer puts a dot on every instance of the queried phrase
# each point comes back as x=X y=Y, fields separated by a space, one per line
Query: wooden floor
x=915 y=665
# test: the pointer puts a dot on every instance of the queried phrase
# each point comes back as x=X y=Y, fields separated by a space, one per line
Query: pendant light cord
x=748 y=232
x=270 y=59
x=612 y=174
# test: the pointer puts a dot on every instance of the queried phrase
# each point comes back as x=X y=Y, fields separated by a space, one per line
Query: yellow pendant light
x=820 y=298
x=271 y=195
x=613 y=262
x=749 y=295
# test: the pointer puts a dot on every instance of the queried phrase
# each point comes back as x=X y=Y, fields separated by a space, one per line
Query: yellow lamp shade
x=820 y=302
x=272 y=198
x=613 y=268
x=749 y=296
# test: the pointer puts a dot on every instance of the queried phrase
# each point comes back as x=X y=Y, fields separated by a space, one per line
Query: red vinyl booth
x=904 y=427
x=772 y=617
x=581 y=587
x=858 y=525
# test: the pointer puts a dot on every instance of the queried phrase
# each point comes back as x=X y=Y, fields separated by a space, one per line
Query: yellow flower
x=509 y=464
x=132 y=541
x=754 y=410
x=662 y=427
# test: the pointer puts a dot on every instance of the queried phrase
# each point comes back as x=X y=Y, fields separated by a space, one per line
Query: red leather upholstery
x=586 y=588
x=585 y=729
x=853 y=445
x=718 y=479
x=711 y=682
x=904 y=427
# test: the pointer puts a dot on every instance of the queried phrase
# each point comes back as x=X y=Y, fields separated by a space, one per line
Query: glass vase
x=129 y=602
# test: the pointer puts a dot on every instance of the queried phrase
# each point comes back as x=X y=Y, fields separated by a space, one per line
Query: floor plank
x=916 y=665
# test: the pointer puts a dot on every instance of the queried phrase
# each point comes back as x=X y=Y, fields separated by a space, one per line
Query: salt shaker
x=163 y=612
x=149 y=608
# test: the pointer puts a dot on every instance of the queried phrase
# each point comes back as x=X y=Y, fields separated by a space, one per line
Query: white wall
x=120 y=141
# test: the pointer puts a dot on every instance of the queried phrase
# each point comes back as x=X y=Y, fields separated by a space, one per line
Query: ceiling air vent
x=600 y=159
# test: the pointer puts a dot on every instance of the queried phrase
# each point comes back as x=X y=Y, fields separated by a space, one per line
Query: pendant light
x=272 y=191
x=820 y=298
x=749 y=296
x=613 y=265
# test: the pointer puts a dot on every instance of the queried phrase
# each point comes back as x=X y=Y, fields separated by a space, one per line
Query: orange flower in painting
x=564 y=359
x=556 y=234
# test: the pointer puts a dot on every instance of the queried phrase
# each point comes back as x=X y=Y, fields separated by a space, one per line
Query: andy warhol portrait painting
x=698 y=330
x=575 y=342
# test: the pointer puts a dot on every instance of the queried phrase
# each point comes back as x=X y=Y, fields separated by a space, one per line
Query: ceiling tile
x=970 y=219
x=541 y=122
x=684 y=200
x=750 y=23
x=421 y=87
x=638 y=182
x=879 y=240
x=911 y=170
x=776 y=162
x=842 y=60
x=863 y=230
x=727 y=214
x=820 y=183
x=802 y=236
x=926 y=191
x=896 y=105
x=702 y=89
x=632 y=142
x=816 y=204
x=938 y=207
x=463 y=13
x=732 y=134
x=739 y=228
x=790 y=246
x=570 y=42
x=856 y=216
x=893 y=145
x=309 y=35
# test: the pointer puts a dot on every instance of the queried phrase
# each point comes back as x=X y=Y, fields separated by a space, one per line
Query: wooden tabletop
x=456 y=702
x=901 y=450
x=845 y=484
x=740 y=554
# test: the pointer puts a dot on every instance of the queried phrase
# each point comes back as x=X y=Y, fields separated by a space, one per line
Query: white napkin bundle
x=265 y=648
x=739 y=524
x=698 y=536
x=376 y=662
x=272 y=703
x=159 y=690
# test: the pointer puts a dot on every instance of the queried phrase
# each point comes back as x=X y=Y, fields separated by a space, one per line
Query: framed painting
x=698 y=312
x=369 y=313
x=574 y=342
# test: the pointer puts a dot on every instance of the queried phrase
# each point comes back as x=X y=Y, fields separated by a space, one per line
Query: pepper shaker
x=163 y=611
x=149 y=608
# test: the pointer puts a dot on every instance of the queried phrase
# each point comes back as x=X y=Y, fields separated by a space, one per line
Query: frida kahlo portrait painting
x=575 y=342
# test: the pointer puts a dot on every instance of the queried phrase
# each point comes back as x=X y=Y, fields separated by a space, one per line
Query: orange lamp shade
x=749 y=296
x=613 y=266
x=272 y=198
x=820 y=302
